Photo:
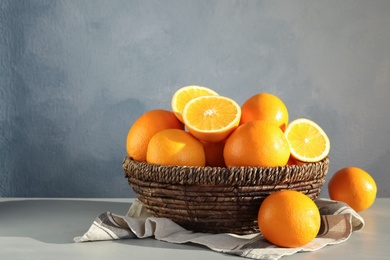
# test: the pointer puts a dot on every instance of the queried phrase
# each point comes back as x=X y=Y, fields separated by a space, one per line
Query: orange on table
x=289 y=218
x=181 y=97
x=211 y=118
x=308 y=141
x=257 y=143
x=214 y=154
x=353 y=186
x=265 y=106
x=145 y=127
x=175 y=147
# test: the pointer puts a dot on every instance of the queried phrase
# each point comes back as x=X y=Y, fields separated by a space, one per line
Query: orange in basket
x=145 y=127
x=308 y=141
x=183 y=95
x=257 y=143
x=265 y=106
x=211 y=118
x=175 y=147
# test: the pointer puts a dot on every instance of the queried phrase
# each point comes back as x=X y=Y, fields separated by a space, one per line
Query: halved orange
x=211 y=118
x=308 y=141
x=181 y=97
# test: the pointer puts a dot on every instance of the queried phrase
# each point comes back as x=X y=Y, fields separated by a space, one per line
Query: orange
x=289 y=219
x=353 y=186
x=175 y=147
x=211 y=118
x=181 y=97
x=293 y=161
x=214 y=154
x=257 y=143
x=265 y=106
x=145 y=127
x=308 y=141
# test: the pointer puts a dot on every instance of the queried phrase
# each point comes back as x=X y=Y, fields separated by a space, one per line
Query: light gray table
x=44 y=229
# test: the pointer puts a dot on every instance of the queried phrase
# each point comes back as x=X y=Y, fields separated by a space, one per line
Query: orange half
x=211 y=118
x=308 y=141
x=183 y=95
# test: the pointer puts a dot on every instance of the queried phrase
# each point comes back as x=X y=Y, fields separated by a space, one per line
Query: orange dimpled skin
x=265 y=106
x=175 y=147
x=257 y=143
x=353 y=186
x=289 y=219
x=145 y=127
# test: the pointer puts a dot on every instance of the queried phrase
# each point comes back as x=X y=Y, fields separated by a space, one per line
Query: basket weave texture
x=217 y=199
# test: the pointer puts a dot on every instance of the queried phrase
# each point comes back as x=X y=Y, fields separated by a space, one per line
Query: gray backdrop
x=76 y=74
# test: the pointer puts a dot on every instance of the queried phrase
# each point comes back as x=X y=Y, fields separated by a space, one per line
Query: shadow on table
x=59 y=221
x=53 y=221
x=154 y=243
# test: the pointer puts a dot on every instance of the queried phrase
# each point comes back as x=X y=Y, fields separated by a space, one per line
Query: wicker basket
x=215 y=199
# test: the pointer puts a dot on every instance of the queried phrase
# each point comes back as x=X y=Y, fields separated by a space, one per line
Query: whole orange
x=265 y=106
x=353 y=186
x=145 y=127
x=175 y=147
x=257 y=143
x=289 y=218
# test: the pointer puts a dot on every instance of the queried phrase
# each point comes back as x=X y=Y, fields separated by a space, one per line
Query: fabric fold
x=338 y=221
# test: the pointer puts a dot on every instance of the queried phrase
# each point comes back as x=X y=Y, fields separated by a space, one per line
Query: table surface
x=45 y=228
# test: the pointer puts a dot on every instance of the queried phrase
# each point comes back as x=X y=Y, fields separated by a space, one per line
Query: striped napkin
x=337 y=224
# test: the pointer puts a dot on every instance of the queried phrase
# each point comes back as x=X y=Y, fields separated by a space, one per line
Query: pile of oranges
x=207 y=129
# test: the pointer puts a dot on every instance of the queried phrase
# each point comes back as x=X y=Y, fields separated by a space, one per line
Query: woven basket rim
x=224 y=176
x=230 y=167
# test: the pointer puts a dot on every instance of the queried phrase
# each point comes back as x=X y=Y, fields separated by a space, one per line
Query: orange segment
x=308 y=141
x=211 y=118
x=187 y=93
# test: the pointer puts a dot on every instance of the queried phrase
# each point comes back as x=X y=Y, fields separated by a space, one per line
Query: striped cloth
x=337 y=224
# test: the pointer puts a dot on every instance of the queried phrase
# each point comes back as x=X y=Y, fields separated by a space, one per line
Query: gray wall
x=76 y=74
